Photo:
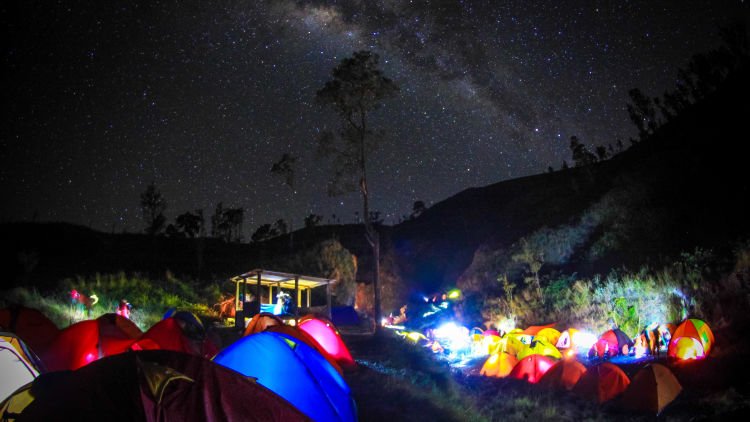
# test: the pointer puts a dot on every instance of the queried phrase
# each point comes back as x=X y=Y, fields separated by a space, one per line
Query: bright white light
x=583 y=340
x=452 y=335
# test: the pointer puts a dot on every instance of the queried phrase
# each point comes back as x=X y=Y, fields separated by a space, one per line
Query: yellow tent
x=540 y=347
x=549 y=334
x=498 y=365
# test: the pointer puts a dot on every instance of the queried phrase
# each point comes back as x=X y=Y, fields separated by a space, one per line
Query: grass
x=150 y=298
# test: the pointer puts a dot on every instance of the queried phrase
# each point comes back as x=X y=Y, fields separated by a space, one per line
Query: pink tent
x=329 y=339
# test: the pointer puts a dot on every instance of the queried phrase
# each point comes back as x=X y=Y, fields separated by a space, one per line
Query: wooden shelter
x=263 y=284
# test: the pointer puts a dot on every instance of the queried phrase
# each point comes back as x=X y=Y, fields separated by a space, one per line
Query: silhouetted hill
x=687 y=186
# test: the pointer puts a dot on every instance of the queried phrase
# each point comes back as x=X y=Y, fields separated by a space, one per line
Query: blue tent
x=344 y=315
x=293 y=370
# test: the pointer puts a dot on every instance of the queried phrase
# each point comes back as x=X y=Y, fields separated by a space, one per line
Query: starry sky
x=201 y=97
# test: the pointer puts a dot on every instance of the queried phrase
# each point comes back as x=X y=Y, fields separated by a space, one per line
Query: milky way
x=202 y=97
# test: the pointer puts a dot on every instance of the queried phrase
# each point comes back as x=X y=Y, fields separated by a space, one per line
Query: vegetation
x=150 y=298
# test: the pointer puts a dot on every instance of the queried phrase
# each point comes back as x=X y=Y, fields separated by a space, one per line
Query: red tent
x=564 y=374
x=87 y=341
x=328 y=337
x=531 y=368
x=602 y=382
x=177 y=335
x=612 y=343
x=32 y=326
x=155 y=386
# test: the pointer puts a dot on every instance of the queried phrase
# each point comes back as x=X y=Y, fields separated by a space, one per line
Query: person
x=123 y=309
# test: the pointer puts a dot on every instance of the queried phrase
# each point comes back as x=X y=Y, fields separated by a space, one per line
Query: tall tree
x=581 y=155
x=358 y=87
x=153 y=206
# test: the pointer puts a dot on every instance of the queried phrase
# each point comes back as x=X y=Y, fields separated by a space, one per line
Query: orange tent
x=564 y=374
x=32 y=326
x=534 y=329
x=692 y=339
x=259 y=322
x=602 y=382
x=498 y=365
x=652 y=388
x=531 y=368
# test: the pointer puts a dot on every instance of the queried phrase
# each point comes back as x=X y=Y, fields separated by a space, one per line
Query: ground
x=400 y=382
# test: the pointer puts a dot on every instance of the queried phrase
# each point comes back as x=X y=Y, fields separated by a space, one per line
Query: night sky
x=201 y=97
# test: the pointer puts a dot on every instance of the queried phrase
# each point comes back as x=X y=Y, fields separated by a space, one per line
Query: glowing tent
x=179 y=335
x=535 y=329
x=565 y=341
x=152 y=385
x=563 y=374
x=692 y=339
x=328 y=337
x=651 y=389
x=32 y=326
x=15 y=370
x=298 y=335
x=612 y=343
x=531 y=368
x=549 y=334
x=294 y=371
x=539 y=347
x=602 y=383
x=86 y=341
x=23 y=351
x=498 y=365
x=259 y=322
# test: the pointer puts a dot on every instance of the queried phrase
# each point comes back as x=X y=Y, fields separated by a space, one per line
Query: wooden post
x=328 y=299
x=296 y=293
x=258 y=292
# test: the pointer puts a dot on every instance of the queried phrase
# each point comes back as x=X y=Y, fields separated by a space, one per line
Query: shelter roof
x=285 y=280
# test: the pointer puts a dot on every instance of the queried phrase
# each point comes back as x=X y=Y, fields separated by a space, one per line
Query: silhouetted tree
x=285 y=168
x=153 y=206
x=601 y=152
x=581 y=155
x=417 y=209
x=565 y=165
x=550 y=169
x=312 y=220
x=226 y=223
x=190 y=223
x=357 y=88
x=264 y=232
x=642 y=112
x=281 y=226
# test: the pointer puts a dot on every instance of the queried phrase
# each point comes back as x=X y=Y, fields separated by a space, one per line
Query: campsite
x=375 y=211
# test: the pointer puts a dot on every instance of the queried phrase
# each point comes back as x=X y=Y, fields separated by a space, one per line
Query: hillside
x=683 y=188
